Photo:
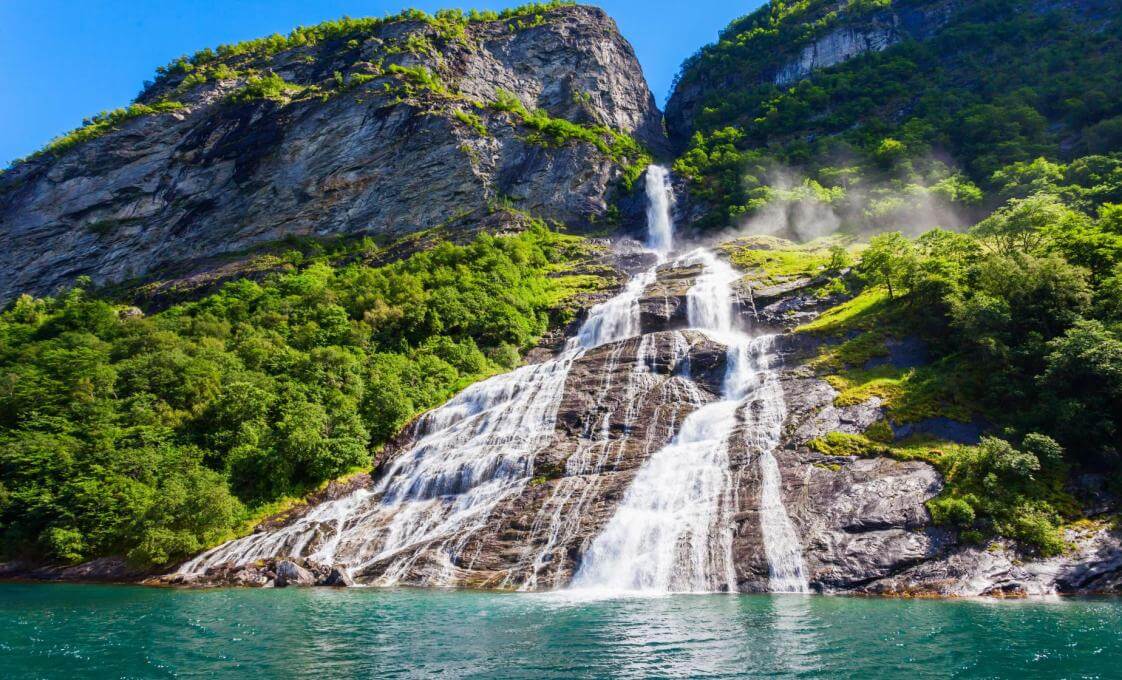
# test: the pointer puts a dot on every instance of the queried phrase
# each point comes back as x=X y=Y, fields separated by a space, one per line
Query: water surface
x=78 y=631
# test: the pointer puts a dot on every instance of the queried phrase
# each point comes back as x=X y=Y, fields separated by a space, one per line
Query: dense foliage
x=1023 y=316
x=156 y=436
x=921 y=122
x=449 y=23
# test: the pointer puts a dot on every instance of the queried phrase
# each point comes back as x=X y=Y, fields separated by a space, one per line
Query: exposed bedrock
x=161 y=194
x=862 y=522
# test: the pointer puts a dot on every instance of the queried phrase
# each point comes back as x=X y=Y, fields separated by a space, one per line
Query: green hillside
x=157 y=436
x=968 y=90
x=999 y=118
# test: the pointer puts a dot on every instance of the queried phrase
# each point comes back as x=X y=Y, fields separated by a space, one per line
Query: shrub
x=156 y=437
x=953 y=511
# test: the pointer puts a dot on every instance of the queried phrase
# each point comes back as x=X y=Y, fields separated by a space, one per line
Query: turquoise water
x=78 y=631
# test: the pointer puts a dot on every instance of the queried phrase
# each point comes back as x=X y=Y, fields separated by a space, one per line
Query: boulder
x=338 y=578
x=291 y=574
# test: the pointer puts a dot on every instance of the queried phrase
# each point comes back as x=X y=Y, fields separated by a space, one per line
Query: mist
x=799 y=211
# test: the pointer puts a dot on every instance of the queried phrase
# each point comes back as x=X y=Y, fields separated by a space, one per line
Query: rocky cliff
x=778 y=47
x=791 y=47
x=862 y=522
x=370 y=128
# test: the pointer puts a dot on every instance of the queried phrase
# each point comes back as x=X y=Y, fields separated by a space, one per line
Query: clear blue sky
x=63 y=60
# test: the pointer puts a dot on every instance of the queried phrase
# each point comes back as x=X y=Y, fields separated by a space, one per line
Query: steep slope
x=899 y=111
x=368 y=127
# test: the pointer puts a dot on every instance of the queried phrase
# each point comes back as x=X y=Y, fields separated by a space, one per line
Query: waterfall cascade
x=673 y=529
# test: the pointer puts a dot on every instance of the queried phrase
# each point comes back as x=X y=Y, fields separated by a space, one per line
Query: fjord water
x=76 y=631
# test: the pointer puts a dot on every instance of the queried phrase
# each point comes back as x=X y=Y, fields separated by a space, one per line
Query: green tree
x=889 y=260
x=1025 y=225
x=1082 y=390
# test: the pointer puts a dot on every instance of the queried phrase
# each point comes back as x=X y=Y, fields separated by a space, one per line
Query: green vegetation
x=158 y=436
x=771 y=261
x=987 y=90
x=448 y=25
x=248 y=60
x=1023 y=319
x=991 y=489
x=554 y=132
x=270 y=86
x=102 y=123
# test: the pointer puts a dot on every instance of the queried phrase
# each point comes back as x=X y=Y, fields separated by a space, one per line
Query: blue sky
x=63 y=60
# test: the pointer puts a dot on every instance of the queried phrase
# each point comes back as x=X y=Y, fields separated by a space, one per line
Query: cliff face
x=799 y=52
x=862 y=523
x=384 y=131
x=780 y=47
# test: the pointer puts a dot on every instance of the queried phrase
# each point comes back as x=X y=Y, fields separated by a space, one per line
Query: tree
x=839 y=259
x=1024 y=224
x=888 y=260
x=1082 y=391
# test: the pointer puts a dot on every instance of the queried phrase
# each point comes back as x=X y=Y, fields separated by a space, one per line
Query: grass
x=780 y=266
x=861 y=313
x=910 y=394
x=103 y=123
x=770 y=260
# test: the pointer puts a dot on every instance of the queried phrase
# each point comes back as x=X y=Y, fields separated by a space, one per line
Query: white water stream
x=673 y=530
x=470 y=455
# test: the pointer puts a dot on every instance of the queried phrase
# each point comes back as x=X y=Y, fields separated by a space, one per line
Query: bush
x=156 y=437
x=953 y=511
x=270 y=86
x=64 y=544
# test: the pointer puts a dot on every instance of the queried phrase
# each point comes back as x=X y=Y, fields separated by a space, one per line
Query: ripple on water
x=98 y=631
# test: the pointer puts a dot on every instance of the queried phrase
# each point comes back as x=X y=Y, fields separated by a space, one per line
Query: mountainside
x=375 y=340
x=893 y=114
x=357 y=127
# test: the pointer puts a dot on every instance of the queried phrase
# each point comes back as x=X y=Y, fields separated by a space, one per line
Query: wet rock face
x=664 y=304
x=622 y=401
x=862 y=523
x=1093 y=567
x=291 y=572
x=164 y=192
x=857 y=519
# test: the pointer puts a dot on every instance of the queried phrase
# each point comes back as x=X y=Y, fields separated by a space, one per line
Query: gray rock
x=164 y=195
x=862 y=523
x=837 y=46
x=338 y=578
x=845 y=40
x=291 y=574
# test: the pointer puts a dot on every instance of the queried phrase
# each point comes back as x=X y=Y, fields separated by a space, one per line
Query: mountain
x=379 y=127
x=356 y=319
x=896 y=114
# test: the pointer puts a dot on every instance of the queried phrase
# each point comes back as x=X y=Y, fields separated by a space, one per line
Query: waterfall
x=673 y=530
x=763 y=429
x=660 y=202
x=469 y=456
